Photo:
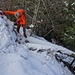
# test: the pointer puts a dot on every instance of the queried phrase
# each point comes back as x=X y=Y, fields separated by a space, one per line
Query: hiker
x=20 y=19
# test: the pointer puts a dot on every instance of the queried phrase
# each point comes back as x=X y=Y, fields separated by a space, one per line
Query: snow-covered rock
x=18 y=59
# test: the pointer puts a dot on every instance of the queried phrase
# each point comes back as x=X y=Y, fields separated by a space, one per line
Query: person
x=20 y=19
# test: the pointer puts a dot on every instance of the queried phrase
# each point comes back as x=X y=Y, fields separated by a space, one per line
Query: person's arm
x=9 y=12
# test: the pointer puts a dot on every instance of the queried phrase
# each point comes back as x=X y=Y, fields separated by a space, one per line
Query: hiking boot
x=25 y=35
x=26 y=41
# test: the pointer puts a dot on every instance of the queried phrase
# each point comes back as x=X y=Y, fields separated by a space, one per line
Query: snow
x=18 y=59
x=31 y=26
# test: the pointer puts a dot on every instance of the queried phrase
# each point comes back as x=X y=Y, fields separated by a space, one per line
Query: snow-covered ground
x=28 y=58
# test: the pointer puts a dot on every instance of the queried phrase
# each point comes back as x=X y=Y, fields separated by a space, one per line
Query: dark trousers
x=24 y=30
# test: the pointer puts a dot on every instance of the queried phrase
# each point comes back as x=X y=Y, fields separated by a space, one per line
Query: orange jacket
x=22 y=16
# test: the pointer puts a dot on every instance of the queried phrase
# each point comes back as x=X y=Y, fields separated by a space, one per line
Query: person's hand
x=15 y=23
x=1 y=13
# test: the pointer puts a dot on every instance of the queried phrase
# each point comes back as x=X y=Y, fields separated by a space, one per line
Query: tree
x=69 y=35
